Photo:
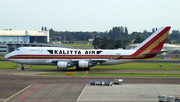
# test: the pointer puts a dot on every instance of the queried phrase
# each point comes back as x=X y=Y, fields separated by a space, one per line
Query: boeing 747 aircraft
x=84 y=59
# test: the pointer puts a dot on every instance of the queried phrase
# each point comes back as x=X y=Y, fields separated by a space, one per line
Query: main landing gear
x=82 y=69
x=87 y=69
x=22 y=67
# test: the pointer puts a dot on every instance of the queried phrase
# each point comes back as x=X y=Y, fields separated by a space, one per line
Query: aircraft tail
x=153 y=43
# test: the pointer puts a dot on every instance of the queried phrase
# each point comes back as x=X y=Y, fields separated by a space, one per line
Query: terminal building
x=12 y=39
x=23 y=36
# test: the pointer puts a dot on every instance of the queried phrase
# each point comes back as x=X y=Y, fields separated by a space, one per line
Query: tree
x=105 y=44
x=112 y=43
x=45 y=29
x=88 y=36
x=97 y=42
x=168 y=41
x=126 y=31
x=42 y=29
x=115 y=33
x=138 y=40
x=51 y=30
x=153 y=30
x=119 y=44
x=125 y=42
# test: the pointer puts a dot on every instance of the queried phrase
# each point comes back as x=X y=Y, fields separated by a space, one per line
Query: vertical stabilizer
x=153 y=43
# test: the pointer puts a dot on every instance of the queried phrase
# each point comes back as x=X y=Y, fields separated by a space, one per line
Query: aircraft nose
x=6 y=56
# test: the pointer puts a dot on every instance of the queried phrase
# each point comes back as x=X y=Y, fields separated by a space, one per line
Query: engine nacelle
x=62 y=64
x=83 y=64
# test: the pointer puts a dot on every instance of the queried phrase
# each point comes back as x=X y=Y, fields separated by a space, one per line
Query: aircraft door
x=41 y=61
x=40 y=49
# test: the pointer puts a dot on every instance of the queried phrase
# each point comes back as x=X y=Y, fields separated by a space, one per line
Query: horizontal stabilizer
x=154 y=53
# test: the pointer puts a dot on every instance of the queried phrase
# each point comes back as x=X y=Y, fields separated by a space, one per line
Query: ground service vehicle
x=92 y=82
x=108 y=82
x=118 y=81
x=100 y=82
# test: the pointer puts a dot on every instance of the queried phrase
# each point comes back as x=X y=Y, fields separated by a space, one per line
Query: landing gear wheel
x=78 y=69
x=82 y=69
x=87 y=69
x=22 y=68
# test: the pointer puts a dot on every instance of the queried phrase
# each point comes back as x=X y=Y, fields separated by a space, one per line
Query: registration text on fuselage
x=74 y=52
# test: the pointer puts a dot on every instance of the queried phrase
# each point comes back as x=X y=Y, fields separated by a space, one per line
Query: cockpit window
x=17 y=49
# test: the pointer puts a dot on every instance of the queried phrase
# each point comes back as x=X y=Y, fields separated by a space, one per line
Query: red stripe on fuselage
x=74 y=57
x=63 y=56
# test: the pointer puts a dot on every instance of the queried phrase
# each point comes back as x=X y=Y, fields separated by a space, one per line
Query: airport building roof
x=24 y=36
x=23 y=33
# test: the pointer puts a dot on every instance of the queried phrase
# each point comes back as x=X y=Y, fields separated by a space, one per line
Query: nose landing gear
x=22 y=67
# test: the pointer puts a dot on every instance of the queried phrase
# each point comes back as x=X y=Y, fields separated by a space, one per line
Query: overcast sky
x=89 y=15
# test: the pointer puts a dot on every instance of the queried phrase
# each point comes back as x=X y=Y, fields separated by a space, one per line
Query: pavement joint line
x=175 y=91
x=18 y=92
x=82 y=92
x=156 y=89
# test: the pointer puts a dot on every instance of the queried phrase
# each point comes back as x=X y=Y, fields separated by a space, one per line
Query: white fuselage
x=41 y=56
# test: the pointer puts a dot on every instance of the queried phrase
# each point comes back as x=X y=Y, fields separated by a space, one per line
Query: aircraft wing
x=119 y=57
x=94 y=60
x=90 y=60
x=154 y=53
x=76 y=60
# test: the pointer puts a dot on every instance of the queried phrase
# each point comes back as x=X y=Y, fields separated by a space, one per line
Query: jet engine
x=62 y=64
x=83 y=64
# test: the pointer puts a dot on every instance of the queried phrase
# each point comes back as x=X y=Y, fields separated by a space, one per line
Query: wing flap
x=119 y=57
x=76 y=60
x=92 y=60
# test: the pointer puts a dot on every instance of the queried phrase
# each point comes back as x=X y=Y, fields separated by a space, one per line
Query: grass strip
x=176 y=58
x=155 y=58
x=9 y=65
x=2 y=57
x=75 y=45
x=80 y=46
x=42 y=67
x=126 y=66
x=63 y=74
x=117 y=74
x=46 y=67
x=139 y=66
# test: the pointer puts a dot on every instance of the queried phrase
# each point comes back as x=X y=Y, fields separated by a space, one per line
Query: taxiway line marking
x=18 y=92
x=31 y=99
x=81 y=93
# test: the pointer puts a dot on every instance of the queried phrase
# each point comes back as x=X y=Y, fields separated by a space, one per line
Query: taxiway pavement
x=26 y=88
x=128 y=92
